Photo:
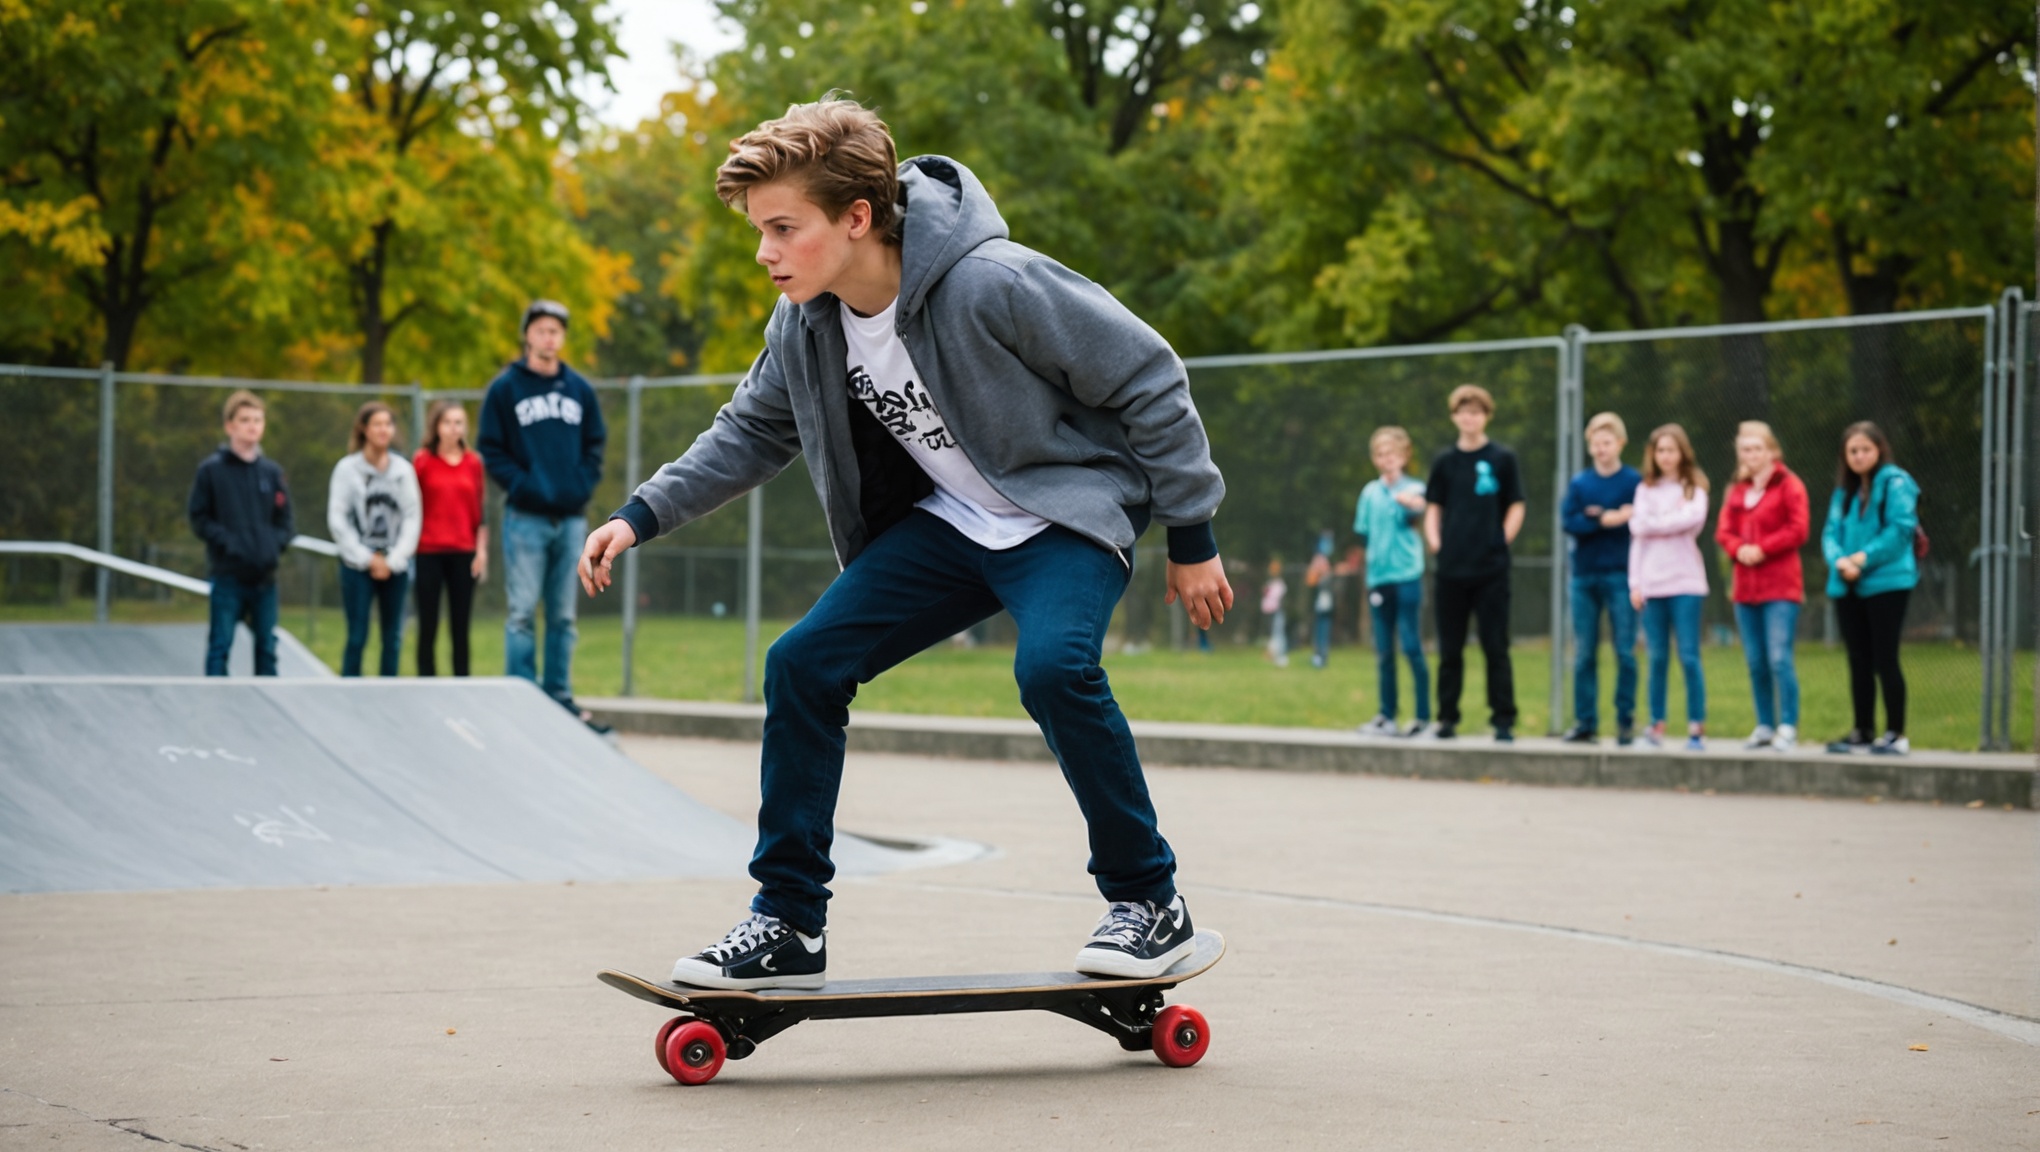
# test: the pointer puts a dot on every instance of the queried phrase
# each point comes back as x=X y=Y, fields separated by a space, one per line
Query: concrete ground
x=1413 y=965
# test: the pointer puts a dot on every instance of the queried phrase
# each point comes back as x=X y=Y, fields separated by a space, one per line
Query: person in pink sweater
x=1667 y=577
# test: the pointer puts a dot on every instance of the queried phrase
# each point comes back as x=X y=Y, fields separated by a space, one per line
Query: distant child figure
x=374 y=515
x=453 y=544
x=1318 y=578
x=1596 y=512
x=1762 y=527
x=1668 y=577
x=1475 y=508
x=240 y=507
x=1391 y=508
x=1272 y=595
x=1870 y=542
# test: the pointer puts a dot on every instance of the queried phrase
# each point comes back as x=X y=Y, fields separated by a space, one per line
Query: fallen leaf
x=1974 y=804
x=1873 y=799
x=1893 y=942
x=449 y=1031
x=1917 y=1048
x=279 y=1059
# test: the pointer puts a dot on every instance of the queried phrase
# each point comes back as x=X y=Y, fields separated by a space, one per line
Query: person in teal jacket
x=1386 y=519
x=1870 y=544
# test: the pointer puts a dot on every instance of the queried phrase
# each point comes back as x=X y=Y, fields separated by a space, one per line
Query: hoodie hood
x=948 y=214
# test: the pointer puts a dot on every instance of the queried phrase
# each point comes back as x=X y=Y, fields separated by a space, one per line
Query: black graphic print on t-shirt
x=908 y=414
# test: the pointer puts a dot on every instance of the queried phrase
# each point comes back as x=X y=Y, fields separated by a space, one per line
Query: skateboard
x=730 y=1025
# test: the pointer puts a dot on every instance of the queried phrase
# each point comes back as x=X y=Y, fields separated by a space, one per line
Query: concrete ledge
x=1947 y=777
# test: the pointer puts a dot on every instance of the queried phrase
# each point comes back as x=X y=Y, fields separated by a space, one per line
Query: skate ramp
x=110 y=784
x=138 y=650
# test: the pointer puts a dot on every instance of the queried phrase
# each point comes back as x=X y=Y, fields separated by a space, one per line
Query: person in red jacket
x=1763 y=524
x=453 y=549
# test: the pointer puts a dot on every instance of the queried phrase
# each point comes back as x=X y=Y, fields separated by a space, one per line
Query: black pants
x=1489 y=599
x=455 y=572
x=1870 y=629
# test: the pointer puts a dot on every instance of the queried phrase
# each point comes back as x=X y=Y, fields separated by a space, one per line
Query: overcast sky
x=646 y=28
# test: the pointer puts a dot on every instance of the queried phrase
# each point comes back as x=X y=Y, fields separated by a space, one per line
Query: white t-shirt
x=882 y=375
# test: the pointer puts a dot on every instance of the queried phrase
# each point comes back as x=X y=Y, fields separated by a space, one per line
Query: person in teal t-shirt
x=1391 y=509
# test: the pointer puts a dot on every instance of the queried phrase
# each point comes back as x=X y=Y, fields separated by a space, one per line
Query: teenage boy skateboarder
x=986 y=429
x=1596 y=510
x=240 y=507
x=1474 y=510
x=542 y=439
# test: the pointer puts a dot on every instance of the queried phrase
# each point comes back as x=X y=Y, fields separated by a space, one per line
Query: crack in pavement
x=119 y=1124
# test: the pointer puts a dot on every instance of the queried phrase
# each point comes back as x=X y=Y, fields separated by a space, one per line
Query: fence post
x=2012 y=512
x=632 y=462
x=1986 y=647
x=754 y=543
x=1571 y=383
x=417 y=415
x=102 y=595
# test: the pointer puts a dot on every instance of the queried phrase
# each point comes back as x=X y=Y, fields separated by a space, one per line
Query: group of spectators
x=1636 y=556
x=416 y=527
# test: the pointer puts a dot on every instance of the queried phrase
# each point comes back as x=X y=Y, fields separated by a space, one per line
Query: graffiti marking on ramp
x=276 y=830
x=174 y=753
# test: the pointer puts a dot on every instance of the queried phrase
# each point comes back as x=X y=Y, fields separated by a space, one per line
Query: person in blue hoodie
x=542 y=440
x=1598 y=504
x=985 y=429
x=1871 y=542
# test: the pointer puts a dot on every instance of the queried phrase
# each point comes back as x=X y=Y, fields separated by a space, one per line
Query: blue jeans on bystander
x=539 y=557
x=1664 y=619
x=1592 y=594
x=1768 y=630
x=233 y=602
x=1394 y=608
x=359 y=593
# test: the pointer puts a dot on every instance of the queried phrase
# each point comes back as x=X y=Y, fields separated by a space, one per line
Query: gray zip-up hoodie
x=1067 y=403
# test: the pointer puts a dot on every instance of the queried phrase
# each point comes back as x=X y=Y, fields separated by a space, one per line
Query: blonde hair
x=837 y=150
x=1689 y=473
x=1394 y=435
x=1763 y=431
x=1610 y=422
x=1470 y=394
x=242 y=398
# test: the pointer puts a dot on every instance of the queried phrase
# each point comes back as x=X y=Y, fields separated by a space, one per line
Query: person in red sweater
x=453 y=549
x=1763 y=524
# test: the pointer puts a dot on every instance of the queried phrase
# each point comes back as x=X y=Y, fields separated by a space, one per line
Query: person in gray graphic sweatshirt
x=985 y=429
x=374 y=514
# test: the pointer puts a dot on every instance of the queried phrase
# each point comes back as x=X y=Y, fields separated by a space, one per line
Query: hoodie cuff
x=639 y=515
x=1192 y=543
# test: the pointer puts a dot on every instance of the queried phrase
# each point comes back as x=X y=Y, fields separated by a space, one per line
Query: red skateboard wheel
x=1181 y=1035
x=694 y=1052
x=659 y=1044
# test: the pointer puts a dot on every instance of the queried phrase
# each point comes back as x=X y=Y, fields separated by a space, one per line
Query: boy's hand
x=1204 y=590
x=604 y=545
x=1414 y=501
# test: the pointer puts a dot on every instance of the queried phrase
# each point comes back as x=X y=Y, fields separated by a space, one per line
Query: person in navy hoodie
x=542 y=439
x=240 y=507
x=1598 y=504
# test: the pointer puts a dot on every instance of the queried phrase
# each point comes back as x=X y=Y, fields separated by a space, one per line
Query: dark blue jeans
x=918 y=584
x=232 y=603
x=359 y=592
x=1395 y=607
x=1665 y=619
x=1768 y=630
x=1592 y=594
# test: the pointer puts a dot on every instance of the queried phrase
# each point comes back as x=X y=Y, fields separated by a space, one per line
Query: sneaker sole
x=712 y=978
x=1105 y=962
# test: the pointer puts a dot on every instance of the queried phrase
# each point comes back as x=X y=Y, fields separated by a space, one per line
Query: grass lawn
x=693 y=658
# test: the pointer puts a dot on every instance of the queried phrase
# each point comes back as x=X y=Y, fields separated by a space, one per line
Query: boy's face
x=1389 y=457
x=798 y=244
x=1604 y=447
x=244 y=431
x=1470 y=418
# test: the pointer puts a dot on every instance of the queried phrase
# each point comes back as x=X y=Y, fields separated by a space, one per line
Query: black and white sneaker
x=760 y=952
x=1138 y=939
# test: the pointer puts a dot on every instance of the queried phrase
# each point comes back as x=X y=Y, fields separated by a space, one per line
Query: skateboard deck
x=723 y=1024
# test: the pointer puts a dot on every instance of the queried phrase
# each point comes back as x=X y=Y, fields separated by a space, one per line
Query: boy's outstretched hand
x=1204 y=590
x=604 y=545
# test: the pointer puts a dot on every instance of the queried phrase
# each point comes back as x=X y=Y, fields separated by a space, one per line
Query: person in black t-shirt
x=1474 y=510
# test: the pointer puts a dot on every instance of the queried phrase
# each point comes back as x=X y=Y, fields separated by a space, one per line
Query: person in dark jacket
x=1598 y=505
x=240 y=507
x=542 y=439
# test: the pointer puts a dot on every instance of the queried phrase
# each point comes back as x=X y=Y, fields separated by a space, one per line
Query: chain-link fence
x=105 y=460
